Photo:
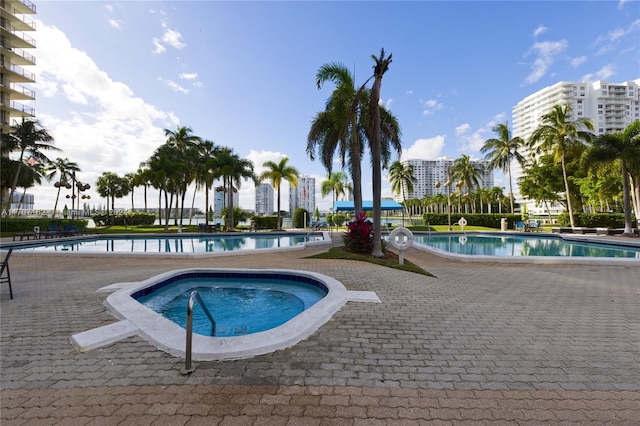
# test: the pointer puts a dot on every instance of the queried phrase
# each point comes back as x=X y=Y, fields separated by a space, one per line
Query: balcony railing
x=18 y=33
x=20 y=52
x=23 y=108
x=21 y=71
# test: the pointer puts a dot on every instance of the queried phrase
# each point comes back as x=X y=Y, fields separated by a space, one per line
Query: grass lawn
x=390 y=260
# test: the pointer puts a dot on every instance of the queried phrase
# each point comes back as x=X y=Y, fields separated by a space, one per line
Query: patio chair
x=6 y=278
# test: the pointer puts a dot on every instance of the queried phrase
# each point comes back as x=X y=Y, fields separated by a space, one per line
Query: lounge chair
x=6 y=278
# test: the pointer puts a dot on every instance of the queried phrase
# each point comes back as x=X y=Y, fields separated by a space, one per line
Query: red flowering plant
x=359 y=236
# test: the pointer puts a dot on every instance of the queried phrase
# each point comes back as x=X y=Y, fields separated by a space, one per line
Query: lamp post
x=80 y=188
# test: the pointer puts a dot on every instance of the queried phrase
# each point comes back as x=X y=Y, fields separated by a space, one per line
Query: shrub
x=339 y=219
x=299 y=217
x=359 y=235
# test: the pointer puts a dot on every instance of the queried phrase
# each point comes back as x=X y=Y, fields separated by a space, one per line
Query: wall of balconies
x=14 y=23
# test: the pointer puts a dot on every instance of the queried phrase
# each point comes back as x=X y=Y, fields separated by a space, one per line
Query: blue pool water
x=524 y=246
x=172 y=244
x=238 y=305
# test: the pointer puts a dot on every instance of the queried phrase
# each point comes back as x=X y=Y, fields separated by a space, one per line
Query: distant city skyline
x=111 y=76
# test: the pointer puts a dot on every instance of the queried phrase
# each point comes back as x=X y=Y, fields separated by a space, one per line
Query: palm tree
x=402 y=178
x=621 y=148
x=27 y=137
x=467 y=174
x=111 y=186
x=337 y=126
x=185 y=142
x=381 y=66
x=65 y=168
x=501 y=151
x=205 y=174
x=345 y=125
x=276 y=173
x=232 y=169
x=131 y=182
x=336 y=184
x=556 y=134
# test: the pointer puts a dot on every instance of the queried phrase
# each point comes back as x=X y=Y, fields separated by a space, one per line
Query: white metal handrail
x=188 y=368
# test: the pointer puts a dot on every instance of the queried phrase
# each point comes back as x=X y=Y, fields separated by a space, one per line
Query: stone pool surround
x=135 y=318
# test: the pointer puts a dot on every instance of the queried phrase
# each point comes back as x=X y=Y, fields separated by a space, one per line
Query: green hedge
x=266 y=222
x=130 y=219
x=492 y=220
x=299 y=216
x=13 y=225
x=594 y=220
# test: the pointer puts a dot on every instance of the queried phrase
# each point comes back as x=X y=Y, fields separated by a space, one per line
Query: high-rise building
x=221 y=199
x=264 y=199
x=610 y=106
x=14 y=22
x=429 y=173
x=304 y=195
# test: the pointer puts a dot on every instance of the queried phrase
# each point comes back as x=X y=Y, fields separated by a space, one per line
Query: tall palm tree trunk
x=626 y=199
x=568 y=195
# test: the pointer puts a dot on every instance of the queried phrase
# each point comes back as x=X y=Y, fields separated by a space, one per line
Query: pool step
x=363 y=296
x=103 y=336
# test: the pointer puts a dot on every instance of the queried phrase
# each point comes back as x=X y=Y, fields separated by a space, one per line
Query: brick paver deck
x=479 y=343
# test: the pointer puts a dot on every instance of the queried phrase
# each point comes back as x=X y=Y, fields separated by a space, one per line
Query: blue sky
x=112 y=75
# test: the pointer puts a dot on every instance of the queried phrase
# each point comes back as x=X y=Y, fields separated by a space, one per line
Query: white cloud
x=189 y=76
x=114 y=23
x=97 y=122
x=424 y=149
x=576 y=62
x=622 y=3
x=169 y=37
x=462 y=129
x=609 y=41
x=409 y=92
x=158 y=47
x=539 y=31
x=474 y=141
x=174 y=86
x=602 y=74
x=545 y=53
x=430 y=106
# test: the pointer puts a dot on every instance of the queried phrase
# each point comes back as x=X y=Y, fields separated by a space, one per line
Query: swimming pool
x=242 y=304
x=528 y=248
x=189 y=245
x=170 y=337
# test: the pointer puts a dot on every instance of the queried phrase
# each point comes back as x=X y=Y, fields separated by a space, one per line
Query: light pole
x=80 y=187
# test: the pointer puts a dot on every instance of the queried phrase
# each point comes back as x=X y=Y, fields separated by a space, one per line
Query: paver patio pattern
x=476 y=344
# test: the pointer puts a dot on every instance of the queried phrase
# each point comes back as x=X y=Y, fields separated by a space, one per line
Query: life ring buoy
x=404 y=242
x=462 y=240
x=462 y=222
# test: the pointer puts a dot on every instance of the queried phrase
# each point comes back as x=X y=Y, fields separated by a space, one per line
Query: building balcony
x=22 y=23
x=16 y=55
x=17 y=91
x=16 y=38
x=22 y=6
x=16 y=109
x=18 y=74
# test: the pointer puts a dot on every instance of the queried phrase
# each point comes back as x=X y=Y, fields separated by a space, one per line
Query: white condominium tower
x=14 y=23
x=429 y=172
x=610 y=106
x=304 y=195
x=264 y=199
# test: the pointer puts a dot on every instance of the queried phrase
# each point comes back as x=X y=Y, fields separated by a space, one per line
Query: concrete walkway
x=477 y=344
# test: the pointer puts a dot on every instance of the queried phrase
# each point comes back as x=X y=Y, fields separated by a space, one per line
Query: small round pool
x=319 y=296
x=239 y=305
